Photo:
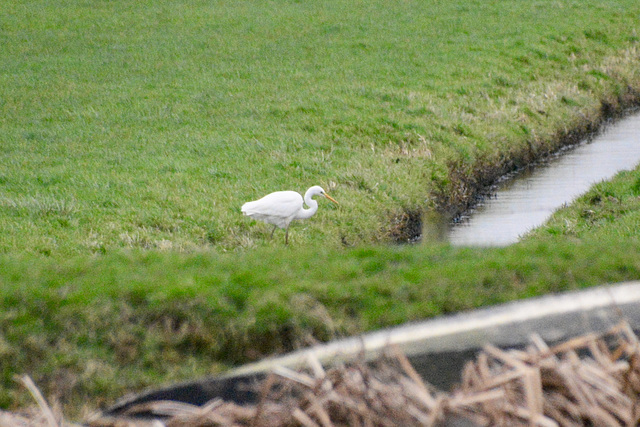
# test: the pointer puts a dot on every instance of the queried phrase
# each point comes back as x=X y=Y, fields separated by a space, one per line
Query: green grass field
x=132 y=132
x=147 y=125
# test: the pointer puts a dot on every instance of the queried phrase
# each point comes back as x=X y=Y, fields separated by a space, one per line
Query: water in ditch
x=528 y=200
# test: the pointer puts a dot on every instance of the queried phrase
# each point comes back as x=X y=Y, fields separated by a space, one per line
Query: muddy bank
x=528 y=199
x=470 y=183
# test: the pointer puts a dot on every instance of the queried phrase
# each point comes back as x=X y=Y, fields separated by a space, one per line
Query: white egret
x=282 y=207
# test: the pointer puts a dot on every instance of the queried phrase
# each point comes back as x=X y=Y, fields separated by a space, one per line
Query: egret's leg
x=286 y=236
x=274 y=230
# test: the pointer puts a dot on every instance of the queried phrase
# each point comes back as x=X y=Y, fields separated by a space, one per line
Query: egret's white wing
x=277 y=208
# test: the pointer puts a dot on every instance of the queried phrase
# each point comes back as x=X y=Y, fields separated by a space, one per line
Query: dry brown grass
x=43 y=415
x=589 y=380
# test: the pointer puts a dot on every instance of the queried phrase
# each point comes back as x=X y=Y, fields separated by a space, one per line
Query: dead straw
x=587 y=380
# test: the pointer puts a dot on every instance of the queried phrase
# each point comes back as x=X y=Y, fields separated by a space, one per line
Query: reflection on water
x=528 y=200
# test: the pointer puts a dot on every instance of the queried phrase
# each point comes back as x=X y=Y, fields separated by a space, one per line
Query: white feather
x=282 y=207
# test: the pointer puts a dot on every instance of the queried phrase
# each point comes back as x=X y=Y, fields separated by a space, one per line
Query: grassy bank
x=609 y=209
x=132 y=132
x=92 y=330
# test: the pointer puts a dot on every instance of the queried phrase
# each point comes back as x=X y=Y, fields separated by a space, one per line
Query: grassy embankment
x=144 y=127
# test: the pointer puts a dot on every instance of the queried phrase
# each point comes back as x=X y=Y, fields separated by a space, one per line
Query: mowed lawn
x=132 y=132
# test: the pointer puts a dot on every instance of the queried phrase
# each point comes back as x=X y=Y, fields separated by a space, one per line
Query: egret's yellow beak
x=330 y=198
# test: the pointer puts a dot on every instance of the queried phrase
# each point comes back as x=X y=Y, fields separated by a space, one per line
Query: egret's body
x=282 y=207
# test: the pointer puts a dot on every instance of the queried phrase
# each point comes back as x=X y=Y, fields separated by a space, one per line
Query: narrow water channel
x=528 y=200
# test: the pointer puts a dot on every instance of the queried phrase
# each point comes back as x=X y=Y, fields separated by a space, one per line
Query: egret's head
x=324 y=193
x=316 y=190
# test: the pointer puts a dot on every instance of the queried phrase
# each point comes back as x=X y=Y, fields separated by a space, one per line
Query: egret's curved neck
x=313 y=207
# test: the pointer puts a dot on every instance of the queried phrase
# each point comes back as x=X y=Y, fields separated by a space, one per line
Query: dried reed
x=588 y=380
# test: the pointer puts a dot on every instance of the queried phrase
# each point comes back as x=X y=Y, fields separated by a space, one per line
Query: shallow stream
x=529 y=198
